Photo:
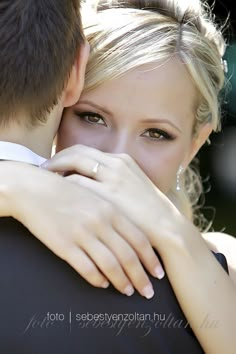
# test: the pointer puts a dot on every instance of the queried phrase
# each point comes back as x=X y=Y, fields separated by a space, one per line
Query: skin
x=124 y=152
x=141 y=114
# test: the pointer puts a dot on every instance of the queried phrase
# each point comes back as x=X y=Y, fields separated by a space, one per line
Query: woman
x=150 y=102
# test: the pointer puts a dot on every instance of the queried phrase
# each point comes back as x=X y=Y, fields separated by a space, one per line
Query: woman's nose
x=119 y=144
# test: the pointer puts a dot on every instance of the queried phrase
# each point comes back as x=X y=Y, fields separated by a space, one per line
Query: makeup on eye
x=159 y=134
x=105 y=110
x=94 y=118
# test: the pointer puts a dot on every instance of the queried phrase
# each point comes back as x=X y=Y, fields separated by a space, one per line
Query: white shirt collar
x=17 y=152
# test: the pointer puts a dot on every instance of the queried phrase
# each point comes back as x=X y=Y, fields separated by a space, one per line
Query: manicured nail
x=159 y=271
x=129 y=290
x=148 y=291
x=105 y=284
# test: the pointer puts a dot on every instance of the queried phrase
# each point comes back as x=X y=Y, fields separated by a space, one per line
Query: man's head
x=42 y=57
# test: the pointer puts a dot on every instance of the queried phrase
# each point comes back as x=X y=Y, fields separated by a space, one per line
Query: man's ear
x=198 y=141
x=75 y=83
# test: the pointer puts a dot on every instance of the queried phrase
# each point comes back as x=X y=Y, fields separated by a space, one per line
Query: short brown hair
x=39 y=41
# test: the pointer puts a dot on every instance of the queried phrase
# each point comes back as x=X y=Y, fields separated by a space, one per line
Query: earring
x=180 y=170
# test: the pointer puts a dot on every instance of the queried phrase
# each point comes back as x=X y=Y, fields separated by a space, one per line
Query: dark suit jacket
x=47 y=308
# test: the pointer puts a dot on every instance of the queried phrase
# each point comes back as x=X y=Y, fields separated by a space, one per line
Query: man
x=46 y=307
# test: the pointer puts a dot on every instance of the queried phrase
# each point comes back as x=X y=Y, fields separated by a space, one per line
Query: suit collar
x=17 y=152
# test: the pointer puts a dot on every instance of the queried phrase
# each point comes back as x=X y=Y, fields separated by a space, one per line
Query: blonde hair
x=124 y=35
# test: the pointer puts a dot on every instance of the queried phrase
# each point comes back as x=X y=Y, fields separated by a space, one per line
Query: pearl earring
x=180 y=170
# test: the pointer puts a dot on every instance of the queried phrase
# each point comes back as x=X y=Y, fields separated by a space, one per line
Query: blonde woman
x=149 y=103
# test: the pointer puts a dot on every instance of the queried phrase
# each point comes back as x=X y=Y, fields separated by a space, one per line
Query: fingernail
x=159 y=271
x=105 y=284
x=129 y=290
x=148 y=291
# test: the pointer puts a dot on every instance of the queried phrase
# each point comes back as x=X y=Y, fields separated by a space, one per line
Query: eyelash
x=82 y=116
x=163 y=134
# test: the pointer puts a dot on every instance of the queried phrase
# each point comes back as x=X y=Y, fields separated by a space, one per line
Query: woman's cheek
x=72 y=133
x=66 y=133
x=160 y=164
x=64 y=139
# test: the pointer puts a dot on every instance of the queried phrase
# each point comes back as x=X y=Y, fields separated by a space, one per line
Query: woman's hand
x=83 y=229
x=119 y=180
x=194 y=273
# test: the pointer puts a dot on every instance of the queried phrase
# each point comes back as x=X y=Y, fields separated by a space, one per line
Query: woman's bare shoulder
x=226 y=244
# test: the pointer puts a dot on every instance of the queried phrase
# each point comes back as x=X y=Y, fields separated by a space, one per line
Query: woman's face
x=148 y=113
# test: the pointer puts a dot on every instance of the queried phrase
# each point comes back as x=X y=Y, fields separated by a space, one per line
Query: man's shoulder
x=10 y=226
x=35 y=281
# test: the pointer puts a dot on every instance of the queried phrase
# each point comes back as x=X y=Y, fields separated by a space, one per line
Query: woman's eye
x=92 y=118
x=157 y=134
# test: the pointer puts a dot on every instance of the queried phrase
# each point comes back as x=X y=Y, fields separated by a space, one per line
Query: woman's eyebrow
x=148 y=120
x=159 y=120
x=95 y=105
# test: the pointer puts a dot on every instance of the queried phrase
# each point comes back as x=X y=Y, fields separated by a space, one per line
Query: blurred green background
x=218 y=160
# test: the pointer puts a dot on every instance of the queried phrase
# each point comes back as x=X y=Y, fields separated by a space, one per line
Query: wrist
x=11 y=185
x=6 y=188
x=180 y=237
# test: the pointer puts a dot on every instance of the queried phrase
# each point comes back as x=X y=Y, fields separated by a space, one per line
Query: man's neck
x=36 y=142
x=38 y=139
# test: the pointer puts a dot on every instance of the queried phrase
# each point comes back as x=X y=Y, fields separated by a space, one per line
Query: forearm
x=10 y=177
x=20 y=183
x=205 y=292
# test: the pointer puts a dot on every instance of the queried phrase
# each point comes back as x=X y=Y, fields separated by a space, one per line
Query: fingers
x=78 y=260
x=128 y=231
x=79 y=158
x=90 y=162
x=121 y=249
x=140 y=244
x=130 y=263
x=109 y=265
x=108 y=253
